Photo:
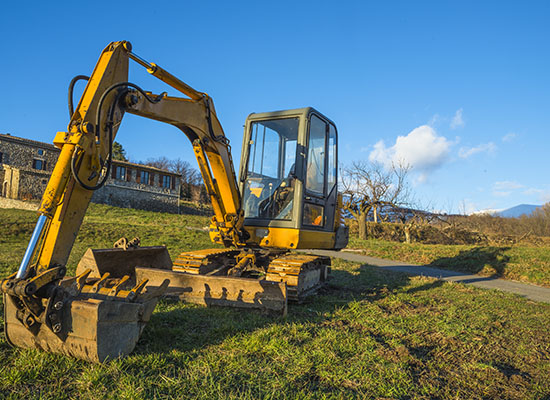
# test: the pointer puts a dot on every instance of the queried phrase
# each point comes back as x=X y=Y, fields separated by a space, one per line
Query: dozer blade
x=95 y=330
x=154 y=264
x=223 y=291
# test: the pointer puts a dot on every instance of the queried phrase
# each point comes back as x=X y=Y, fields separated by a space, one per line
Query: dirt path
x=532 y=292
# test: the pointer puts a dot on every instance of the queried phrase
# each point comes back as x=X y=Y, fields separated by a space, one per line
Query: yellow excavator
x=284 y=198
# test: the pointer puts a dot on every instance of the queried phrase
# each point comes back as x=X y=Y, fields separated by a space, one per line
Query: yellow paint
x=291 y=238
x=64 y=201
x=256 y=191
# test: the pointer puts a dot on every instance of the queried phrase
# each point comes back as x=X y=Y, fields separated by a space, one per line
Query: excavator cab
x=288 y=180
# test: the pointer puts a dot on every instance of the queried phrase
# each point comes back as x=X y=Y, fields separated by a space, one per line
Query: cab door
x=320 y=189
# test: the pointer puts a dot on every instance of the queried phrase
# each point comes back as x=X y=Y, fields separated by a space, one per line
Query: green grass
x=516 y=262
x=102 y=226
x=367 y=334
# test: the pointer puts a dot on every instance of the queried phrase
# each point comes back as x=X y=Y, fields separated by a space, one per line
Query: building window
x=39 y=164
x=121 y=173
x=1 y=154
x=144 y=177
x=40 y=152
x=166 y=181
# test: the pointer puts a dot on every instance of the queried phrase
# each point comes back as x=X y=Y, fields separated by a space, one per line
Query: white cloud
x=434 y=120
x=422 y=177
x=457 y=121
x=364 y=149
x=509 y=137
x=532 y=191
x=543 y=195
x=487 y=211
x=469 y=207
x=466 y=152
x=507 y=185
x=422 y=149
x=505 y=188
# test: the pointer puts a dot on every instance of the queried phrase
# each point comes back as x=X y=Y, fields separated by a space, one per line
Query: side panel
x=291 y=238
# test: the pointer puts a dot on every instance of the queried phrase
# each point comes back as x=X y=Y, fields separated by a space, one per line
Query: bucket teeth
x=116 y=288
x=100 y=283
x=81 y=279
x=94 y=321
x=136 y=290
x=74 y=285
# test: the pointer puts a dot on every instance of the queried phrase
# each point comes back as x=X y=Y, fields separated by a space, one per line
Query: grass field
x=102 y=226
x=517 y=262
x=368 y=334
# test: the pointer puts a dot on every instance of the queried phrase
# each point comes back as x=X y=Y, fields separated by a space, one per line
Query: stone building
x=26 y=165
x=140 y=186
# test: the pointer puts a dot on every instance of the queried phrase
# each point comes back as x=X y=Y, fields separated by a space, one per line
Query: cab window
x=332 y=162
x=315 y=177
x=270 y=176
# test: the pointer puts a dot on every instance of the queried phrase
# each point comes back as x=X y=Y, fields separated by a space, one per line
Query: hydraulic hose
x=109 y=124
x=71 y=90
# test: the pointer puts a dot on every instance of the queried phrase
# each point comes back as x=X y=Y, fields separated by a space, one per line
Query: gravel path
x=532 y=292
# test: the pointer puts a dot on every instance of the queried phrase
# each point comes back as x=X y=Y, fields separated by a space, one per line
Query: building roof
x=18 y=139
x=49 y=146
x=143 y=166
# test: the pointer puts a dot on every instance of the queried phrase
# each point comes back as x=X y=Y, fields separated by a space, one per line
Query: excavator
x=284 y=198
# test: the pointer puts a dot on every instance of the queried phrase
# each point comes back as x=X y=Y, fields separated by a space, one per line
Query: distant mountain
x=517 y=211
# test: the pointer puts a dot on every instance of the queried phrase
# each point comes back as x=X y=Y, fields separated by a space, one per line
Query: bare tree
x=370 y=187
x=191 y=186
x=160 y=162
x=191 y=180
x=540 y=220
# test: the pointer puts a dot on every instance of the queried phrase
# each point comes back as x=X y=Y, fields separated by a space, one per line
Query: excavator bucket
x=96 y=330
x=91 y=319
x=96 y=316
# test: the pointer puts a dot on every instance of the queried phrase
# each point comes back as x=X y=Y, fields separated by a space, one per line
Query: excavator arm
x=98 y=317
x=85 y=157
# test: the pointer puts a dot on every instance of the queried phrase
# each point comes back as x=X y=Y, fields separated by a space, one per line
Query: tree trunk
x=362 y=221
x=375 y=213
x=407 y=230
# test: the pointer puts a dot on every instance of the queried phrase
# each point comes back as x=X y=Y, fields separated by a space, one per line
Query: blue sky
x=460 y=90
